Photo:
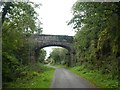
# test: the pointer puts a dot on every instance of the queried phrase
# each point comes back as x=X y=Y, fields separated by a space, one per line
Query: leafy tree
x=18 y=21
x=97 y=35
x=59 y=55
x=40 y=55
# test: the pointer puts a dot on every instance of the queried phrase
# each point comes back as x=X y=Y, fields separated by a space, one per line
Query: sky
x=54 y=14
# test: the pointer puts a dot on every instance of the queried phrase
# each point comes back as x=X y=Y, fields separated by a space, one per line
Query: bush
x=35 y=74
x=10 y=64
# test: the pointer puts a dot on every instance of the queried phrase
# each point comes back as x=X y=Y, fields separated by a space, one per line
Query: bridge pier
x=32 y=57
x=71 y=59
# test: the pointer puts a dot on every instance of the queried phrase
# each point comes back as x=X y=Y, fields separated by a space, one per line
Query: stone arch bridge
x=40 y=41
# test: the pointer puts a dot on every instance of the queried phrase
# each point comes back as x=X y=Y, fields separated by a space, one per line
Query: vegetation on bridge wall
x=40 y=55
x=97 y=39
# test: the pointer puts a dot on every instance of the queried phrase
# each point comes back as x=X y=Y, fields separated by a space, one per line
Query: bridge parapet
x=58 y=38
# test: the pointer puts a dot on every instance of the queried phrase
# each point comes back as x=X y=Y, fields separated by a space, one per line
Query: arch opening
x=44 y=46
x=65 y=59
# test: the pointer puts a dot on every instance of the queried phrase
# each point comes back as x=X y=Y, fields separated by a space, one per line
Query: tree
x=97 y=35
x=59 y=55
x=18 y=20
x=40 y=55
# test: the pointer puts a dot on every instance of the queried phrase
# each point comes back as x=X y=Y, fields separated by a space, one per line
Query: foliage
x=40 y=55
x=59 y=55
x=9 y=68
x=19 y=19
x=99 y=80
x=37 y=76
x=97 y=36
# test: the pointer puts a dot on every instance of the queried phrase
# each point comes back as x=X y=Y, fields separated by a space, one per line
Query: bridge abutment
x=32 y=57
x=71 y=59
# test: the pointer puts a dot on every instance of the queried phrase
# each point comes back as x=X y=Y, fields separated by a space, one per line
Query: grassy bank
x=98 y=79
x=34 y=79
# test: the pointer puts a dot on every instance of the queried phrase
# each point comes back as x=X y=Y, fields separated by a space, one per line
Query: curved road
x=66 y=79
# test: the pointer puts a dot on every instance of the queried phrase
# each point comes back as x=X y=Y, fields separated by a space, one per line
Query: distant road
x=66 y=79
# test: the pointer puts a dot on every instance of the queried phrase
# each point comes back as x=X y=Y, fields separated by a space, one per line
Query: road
x=66 y=79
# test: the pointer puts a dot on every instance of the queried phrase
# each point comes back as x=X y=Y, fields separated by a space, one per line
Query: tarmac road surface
x=66 y=79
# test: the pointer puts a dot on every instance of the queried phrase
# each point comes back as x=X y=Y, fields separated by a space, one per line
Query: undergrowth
x=35 y=76
x=98 y=79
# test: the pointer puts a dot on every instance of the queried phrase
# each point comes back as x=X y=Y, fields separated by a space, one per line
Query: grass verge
x=34 y=79
x=98 y=79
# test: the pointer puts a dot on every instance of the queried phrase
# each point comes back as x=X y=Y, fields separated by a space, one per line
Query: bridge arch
x=58 y=45
x=41 y=41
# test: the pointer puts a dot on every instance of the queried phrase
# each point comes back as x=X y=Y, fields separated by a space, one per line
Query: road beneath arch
x=66 y=79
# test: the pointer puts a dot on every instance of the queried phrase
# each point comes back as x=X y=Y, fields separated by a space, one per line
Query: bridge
x=43 y=40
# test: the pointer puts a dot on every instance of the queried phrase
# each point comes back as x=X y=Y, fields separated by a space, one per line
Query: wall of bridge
x=41 y=41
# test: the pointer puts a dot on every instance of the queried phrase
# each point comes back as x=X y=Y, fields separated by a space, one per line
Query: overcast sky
x=54 y=14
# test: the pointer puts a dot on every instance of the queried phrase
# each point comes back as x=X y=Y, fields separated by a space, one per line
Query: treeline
x=18 y=21
x=59 y=56
x=97 y=39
